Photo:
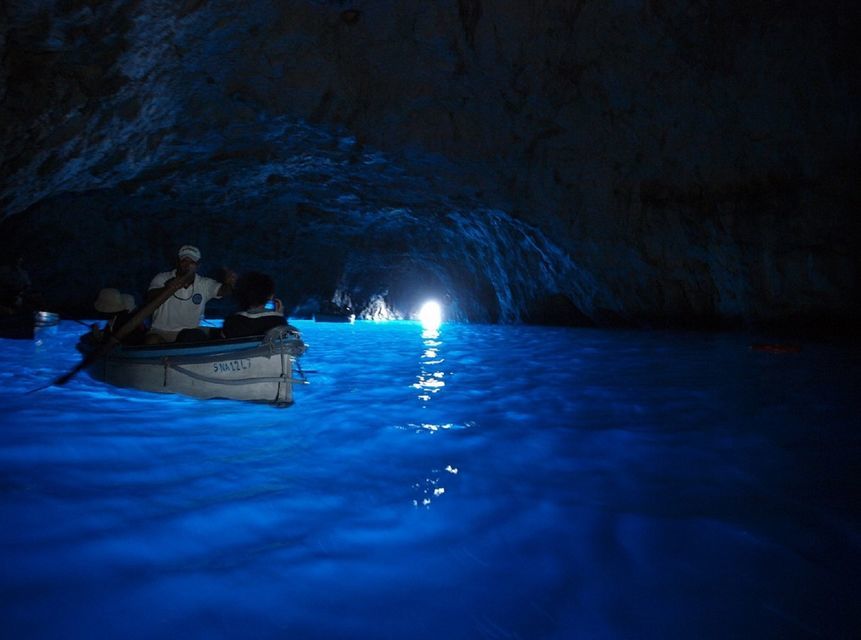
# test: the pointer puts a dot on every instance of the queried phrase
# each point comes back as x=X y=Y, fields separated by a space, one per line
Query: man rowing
x=178 y=318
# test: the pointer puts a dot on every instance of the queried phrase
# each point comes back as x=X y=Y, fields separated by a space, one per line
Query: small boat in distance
x=26 y=324
x=255 y=369
x=331 y=312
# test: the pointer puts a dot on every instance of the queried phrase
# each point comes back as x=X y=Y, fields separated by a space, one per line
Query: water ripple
x=488 y=481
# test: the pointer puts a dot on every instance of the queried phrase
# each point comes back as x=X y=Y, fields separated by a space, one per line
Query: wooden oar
x=115 y=338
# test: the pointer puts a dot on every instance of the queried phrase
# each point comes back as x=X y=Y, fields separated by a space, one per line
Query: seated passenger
x=16 y=293
x=261 y=310
x=119 y=308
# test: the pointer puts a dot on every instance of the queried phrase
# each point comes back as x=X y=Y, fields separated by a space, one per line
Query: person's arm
x=155 y=287
x=160 y=283
x=227 y=285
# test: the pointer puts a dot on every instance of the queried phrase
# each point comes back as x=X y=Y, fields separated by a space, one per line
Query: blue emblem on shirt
x=197 y=298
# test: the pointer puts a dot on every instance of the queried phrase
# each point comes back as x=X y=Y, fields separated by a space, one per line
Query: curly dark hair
x=253 y=289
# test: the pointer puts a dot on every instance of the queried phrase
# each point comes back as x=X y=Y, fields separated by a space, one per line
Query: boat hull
x=249 y=370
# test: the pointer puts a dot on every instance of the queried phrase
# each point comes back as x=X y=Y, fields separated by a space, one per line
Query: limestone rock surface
x=653 y=162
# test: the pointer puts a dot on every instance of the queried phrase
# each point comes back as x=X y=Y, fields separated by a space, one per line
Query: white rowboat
x=256 y=369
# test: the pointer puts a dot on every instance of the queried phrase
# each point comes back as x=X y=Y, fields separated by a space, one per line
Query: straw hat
x=112 y=301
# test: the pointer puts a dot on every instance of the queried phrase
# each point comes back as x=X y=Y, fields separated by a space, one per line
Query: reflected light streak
x=429 y=383
x=430 y=380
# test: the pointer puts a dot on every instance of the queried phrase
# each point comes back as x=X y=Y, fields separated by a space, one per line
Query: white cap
x=188 y=251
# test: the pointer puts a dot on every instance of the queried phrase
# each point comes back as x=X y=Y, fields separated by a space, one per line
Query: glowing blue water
x=490 y=482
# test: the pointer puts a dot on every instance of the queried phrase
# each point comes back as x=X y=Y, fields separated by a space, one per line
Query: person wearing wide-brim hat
x=112 y=301
x=119 y=306
x=178 y=317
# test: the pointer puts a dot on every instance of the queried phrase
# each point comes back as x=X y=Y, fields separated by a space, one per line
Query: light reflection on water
x=431 y=377
x=474 y=481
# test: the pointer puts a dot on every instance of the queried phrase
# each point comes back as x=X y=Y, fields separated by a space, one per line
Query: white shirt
x=185 y=307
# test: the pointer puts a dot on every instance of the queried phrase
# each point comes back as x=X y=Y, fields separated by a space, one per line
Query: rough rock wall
x=695 y=159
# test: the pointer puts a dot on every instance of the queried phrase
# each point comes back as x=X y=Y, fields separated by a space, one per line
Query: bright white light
x=431 y=315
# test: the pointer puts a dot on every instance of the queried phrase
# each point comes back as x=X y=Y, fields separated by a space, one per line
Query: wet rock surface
x=656 y=163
